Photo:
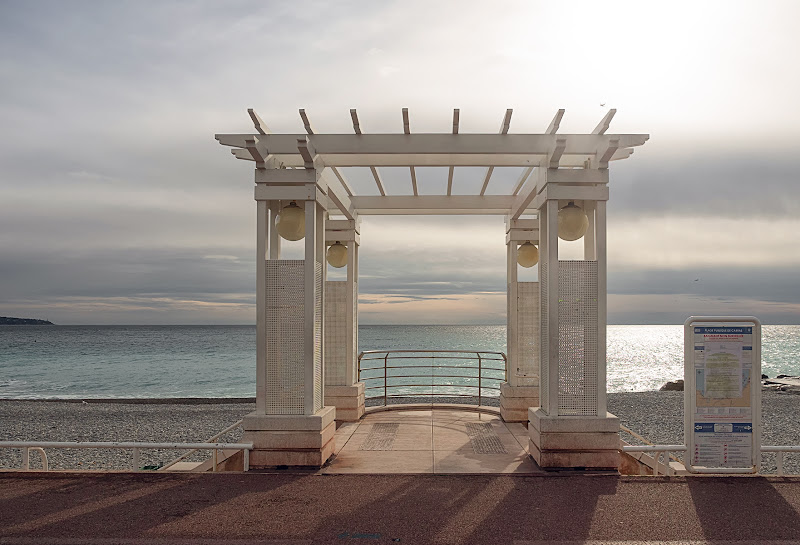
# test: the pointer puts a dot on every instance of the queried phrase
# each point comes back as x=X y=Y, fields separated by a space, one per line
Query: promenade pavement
x=294 y=508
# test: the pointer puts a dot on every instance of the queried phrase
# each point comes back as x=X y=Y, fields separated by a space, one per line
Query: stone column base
x=574 y=441
x=516 y=400
x=290 y=440
x=348 y=400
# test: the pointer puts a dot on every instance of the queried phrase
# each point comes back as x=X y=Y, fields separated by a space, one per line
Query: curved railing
x=466 y=375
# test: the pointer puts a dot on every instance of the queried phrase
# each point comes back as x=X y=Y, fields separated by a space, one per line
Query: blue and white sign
x=722 y=389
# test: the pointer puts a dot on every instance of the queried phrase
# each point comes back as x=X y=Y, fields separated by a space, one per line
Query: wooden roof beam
x=605 y=155
x=524 y=199
x=310 y=130
x=554 y=157
x=259 y=124
x=357 y=129
x=522 y=179
x=555 y=123
x=353 y=150
x=252 y=148
x=334 y=189
x=605 y=122
x=456 y=114
x=339 y=196
x=407 y=130
x=306 y=122
x=306 y=150
x=432 y=204
x=504 y=126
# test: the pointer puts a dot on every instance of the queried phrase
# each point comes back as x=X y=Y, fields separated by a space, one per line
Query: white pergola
x=329 y=152
x=307 y=326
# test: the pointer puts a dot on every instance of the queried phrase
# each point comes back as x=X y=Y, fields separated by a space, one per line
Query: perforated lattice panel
x=544 y=353
x=285 y=325
x=483 y=438
x=381 y=436
x=318 y=345
x=335 y=333
x=577 y=338
x=528 y=329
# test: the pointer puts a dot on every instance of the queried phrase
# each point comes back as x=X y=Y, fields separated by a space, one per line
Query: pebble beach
x=657 y=416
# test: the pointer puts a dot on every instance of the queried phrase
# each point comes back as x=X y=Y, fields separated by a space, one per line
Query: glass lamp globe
x=337 y=255
x=572 y=222
x=527 y=255
x=291 y=222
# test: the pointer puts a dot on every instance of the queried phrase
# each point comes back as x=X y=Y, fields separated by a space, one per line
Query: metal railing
x=27 y=446
x=657 y=450
x=212 y=439
x=780 y=450
x=668 y=449
x=431 y=373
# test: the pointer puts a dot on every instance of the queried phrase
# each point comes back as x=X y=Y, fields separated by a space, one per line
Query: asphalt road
x=227 y=508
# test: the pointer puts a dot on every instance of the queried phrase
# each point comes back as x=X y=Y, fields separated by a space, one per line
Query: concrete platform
x=443 y=441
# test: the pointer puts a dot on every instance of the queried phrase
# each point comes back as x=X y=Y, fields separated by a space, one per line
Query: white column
x=573 y=428
x=262 y=236
x=291 y=425
x=352 y=311
x=274 y=237
x=512 y=339
x=602 y=307
x=342 y=389
x=314 y=281
x=589 y=250
x=550 y=240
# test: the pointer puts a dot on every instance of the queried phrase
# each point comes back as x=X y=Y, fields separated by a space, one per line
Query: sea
x=83 y=362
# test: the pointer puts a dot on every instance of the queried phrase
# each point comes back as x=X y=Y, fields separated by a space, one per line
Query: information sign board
x=722 y=394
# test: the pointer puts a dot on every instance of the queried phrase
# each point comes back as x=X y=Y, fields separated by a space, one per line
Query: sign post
x=722 y=394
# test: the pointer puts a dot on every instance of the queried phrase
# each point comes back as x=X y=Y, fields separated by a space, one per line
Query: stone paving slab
x=431 y=441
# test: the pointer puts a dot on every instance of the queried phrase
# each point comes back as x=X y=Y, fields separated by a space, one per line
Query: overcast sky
x=118 y=206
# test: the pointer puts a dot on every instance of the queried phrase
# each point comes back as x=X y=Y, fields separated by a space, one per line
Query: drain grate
x=483 y=438
x=380 y=437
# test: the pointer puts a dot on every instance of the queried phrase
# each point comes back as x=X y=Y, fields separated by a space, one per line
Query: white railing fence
x=136 y=447
x=212 y=439
x=666 y=450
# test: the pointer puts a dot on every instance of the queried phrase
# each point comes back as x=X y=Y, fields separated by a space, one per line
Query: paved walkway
x=243 y=509
x=432 y=441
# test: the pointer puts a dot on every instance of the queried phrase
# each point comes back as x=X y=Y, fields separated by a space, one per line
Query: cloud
x=117 y=200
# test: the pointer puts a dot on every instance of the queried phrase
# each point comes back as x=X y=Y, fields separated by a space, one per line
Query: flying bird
x=602 y=104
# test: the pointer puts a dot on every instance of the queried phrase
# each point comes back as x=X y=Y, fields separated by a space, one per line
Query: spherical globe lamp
x=527 y=255
x=291 y=222
x=572 y=222
x=337 y=255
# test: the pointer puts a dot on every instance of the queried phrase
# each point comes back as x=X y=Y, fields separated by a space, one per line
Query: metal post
x=246 y=462
x=135 y=459
x=780 y=463
x=480 y=375
x=433 y=365
x=385 y=370
x=214 y=459
x=26 y=457
x=44 y=458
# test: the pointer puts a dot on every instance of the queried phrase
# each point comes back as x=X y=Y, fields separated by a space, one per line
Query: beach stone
x=673 y=386
x=763 y=376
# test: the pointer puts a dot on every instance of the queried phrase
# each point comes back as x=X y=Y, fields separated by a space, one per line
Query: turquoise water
x=219 y=361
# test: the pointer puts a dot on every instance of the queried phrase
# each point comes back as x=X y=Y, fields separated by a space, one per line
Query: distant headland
x=6 y=320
